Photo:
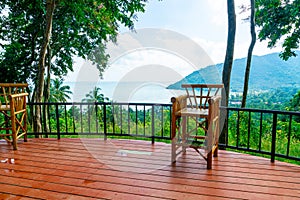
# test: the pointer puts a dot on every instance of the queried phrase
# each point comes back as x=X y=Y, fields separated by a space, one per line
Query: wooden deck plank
x=86 y=168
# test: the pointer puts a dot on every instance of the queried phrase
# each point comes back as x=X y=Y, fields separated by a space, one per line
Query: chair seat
x=193 y=112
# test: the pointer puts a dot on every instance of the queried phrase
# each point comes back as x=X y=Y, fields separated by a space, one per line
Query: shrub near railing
x=274 y=133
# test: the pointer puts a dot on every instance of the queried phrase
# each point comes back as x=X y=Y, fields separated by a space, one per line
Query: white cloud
x=204 y=21
x=218 y=12
x=145 y=58
x=215 y=50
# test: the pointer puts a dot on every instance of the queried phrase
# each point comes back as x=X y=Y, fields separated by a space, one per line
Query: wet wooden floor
x=128 y=169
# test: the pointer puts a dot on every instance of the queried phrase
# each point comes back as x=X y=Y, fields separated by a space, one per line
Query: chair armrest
x=179 y=103
x=214 y=99
x=17 y=95
x=18 y=102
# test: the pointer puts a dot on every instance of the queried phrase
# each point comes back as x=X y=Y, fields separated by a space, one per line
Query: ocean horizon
x=125 y=92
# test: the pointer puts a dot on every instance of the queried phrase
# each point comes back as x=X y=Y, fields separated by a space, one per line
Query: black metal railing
x=142 y=120
x=270 y=132
x=274 y=133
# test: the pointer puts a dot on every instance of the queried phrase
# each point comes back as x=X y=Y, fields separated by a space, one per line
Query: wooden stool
x=200 y=104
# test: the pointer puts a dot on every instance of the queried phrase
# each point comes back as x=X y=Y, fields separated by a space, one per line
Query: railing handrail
x=262 y=110
x=97 y=103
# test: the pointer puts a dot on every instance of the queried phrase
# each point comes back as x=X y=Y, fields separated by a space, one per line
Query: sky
x=203 y=21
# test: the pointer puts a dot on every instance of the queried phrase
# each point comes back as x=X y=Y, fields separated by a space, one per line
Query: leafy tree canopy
x=295 y=102
x=95 y=95
x=80 y=28
x=279 y=19
x=59 y=92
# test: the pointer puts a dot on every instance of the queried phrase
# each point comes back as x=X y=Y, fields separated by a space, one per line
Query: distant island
x=273 y=82
x=268 y=72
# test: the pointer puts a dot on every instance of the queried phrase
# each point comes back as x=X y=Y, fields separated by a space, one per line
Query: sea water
x=125 y=92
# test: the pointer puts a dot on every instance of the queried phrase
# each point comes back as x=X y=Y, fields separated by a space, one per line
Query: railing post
x=73 y=116
x=223 y=138
x=273 y=147
x=57 y=122
x=96 y=116
x=66 y=118
x=152 y=124
x=238 y=129
x=44 y=119
x=104 y=121
x=289 y=136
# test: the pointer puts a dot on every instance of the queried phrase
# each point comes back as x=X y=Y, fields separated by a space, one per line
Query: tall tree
x=295 y=102
x=79 y=28
x=58 y=91
x=227 y=67
x=228 y=61
x=279 y=23
x=71 y=28
x=294 y=105
x=250 y=51
x=40 y=81
x=95 y=96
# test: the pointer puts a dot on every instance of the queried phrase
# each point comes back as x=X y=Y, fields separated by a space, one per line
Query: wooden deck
x=127 y=169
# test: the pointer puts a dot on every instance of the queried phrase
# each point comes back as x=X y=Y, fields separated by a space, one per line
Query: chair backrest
x=199 y=94
x=7 y=89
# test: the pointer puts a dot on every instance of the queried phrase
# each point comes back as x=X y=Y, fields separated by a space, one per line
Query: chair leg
x=173 y=137
x=15 y=143
x=25 y=127
x=14 y=131
x=216 y=151
x=184 y=134
x=209 y=160
x=173 y=158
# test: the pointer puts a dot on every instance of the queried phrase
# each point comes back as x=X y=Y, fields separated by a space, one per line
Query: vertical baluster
x=273 y=147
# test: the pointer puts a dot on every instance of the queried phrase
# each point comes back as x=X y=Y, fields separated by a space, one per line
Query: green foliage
x=254 y=131
x=267 y=72
x=294 y=104
x=279 y=20
x=275 y=99
x=80 y=28
x=95 y=96
x=58 y=91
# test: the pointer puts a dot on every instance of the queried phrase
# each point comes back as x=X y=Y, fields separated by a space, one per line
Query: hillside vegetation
x=273 y=80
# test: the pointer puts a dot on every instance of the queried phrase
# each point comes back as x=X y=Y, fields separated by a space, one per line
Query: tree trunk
x=47 y=91
x=41 y=65
x=228 y=64
x=229 y=51
x=250 y=51
x=48 y=80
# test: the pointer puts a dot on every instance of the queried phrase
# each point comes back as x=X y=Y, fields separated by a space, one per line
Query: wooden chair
x=13 y=107
x=199 y=106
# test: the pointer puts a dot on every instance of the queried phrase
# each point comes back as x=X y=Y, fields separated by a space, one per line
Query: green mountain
x=267 y=72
